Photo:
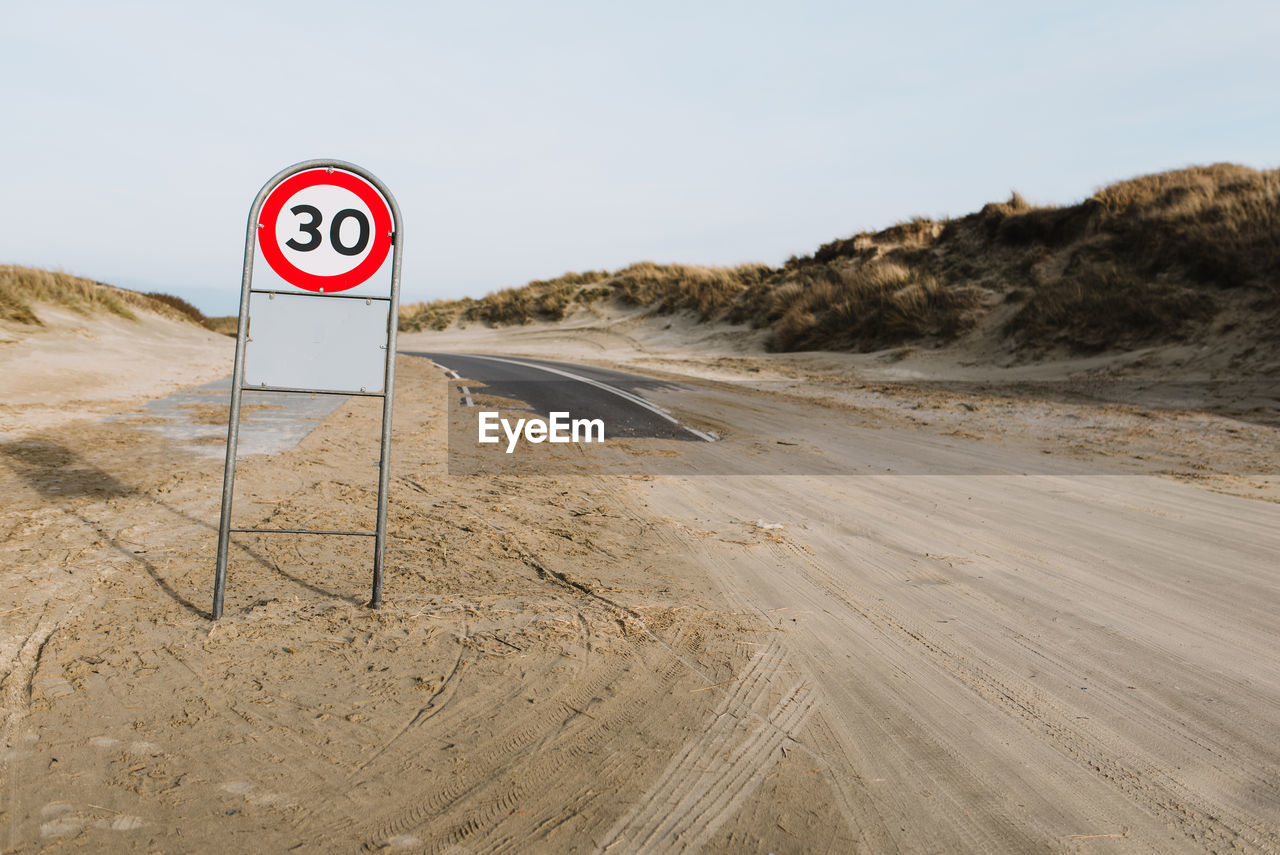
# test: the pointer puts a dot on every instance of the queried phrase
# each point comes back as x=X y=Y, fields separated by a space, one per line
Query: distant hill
x=1177 y=256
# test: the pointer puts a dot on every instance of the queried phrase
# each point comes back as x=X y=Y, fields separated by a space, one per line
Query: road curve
x=582 y=391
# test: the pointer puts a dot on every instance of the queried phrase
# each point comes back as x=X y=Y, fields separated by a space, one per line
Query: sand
x=875 y=616
x=77 y=366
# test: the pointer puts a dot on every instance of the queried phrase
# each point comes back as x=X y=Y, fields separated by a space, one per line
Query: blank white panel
x=306 y=342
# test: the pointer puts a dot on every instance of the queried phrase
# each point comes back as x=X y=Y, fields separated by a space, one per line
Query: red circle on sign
x=294 y=275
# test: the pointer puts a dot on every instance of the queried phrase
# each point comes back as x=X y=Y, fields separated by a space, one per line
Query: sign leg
x=228 y=484
x=233 y=420
x=384 y=459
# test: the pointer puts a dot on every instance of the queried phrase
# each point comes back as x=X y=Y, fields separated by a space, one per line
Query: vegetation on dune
x=20 y=287
x=1153 y=259
x=224 y=324
x=708 y=291
x=180 y=305
x=864 y=307
x=23 y=289
x=1139 y=261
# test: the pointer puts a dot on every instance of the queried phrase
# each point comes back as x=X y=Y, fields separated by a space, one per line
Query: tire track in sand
x=1110 y=759
x=476 y=798
x=17 y=686
x=707 y=781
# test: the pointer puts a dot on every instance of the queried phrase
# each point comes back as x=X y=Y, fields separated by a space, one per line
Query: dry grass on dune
x=436 y=315
x=180 y=305
x=539 y=300
x=20 y=287
x=1219 y=225
x=868 y=306
x=23 y=289
x=548 y=299
x=1150 y=259
x=223 y=324
x=708 y=291
x=1154 y=259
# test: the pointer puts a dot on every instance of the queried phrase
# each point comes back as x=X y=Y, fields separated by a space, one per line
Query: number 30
x=312 y=229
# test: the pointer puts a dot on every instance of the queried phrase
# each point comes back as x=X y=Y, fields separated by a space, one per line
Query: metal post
x=237 y=381
x=388 y=386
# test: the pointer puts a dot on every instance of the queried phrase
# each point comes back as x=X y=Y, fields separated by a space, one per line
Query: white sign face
x=324 y=230
x=301 y=342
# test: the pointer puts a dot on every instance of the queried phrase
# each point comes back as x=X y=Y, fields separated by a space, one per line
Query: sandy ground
x=873 y=617
x=76 y=366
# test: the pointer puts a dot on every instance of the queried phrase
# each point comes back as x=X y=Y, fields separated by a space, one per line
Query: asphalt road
x=582 y=391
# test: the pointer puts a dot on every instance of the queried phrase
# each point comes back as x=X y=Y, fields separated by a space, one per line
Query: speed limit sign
x=325 y=230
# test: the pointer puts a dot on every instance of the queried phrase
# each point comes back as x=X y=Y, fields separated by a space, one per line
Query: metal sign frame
x=238 y=388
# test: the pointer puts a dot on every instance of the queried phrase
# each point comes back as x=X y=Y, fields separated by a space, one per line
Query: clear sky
x=526 y=139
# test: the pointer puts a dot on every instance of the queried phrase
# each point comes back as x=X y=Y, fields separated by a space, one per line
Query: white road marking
x=466 y=393
x=621 y=393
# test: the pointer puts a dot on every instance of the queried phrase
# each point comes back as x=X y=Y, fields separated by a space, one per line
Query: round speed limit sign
x=325 y=230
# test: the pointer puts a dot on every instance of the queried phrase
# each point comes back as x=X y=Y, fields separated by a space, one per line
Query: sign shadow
x=61 y=476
